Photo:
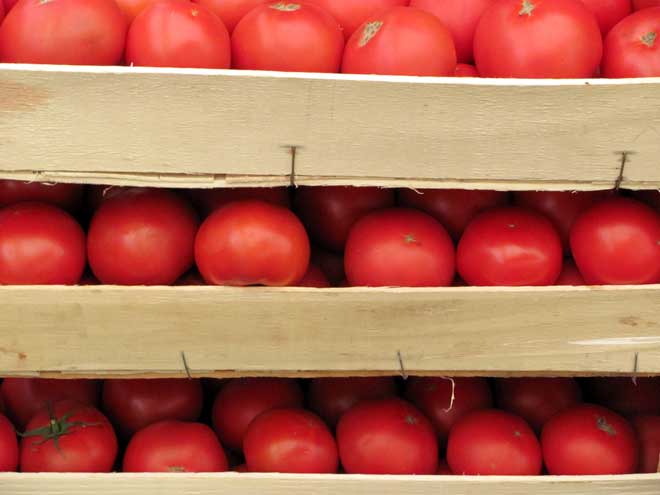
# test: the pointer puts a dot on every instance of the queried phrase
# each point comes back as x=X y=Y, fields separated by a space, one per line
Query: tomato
x=625 y=395
x=242 y=400
x=617 y=242
x=443 y=469
x=570 y=275
x=69 y=437
x=589 y=440
x=637 y=4
x=209 y=200
x=433 y=396
x=651 y=198
x=252 y=243
x=40 y=244
x=8 y=446
x=142 y=238
x=332 y=264
x=97 y=195
x=290 y=441
x=531 y=39
x=71 y=32
x=401 y=41
x=536 y=400
x=230 y=11
x=175 y=446
x=330 y=398
x=399 y=247
x=314 y=278
x=492 y=442
x=632 y=47
x=329 y=212
x=648 y=434
x=191 y=278
x=131 y=8
x=510 y=246
x=8 y=5
x=134 y=404
x=66 y=196
x=172 y=33
x=465 y=70
x=608 y=12
x=292 y=37
x=453 y=208
x=241 y=468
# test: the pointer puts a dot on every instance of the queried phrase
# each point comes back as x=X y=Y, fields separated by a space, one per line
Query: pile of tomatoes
x=490 y=38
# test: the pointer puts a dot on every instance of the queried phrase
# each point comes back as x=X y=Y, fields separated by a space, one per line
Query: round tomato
x=510 y=246
x=252 y=243
x=386 y=436
x=399 y=247
x=401 y=41
x=66 y=196
x=8 y=5
x=142 y=238
x=443 y=469
x=570 y=275
x=446 y=400
x=617 y=242
x=172 y=33
x=290 y=441
x=453 y=208
x=8 y=446
x=329 y=212
x=175 y=446
x=331 y=263
x=69 y=437
x=230 y=11
x=530 y=39
x=589 y=440
x=625 y=395
x=465 y=70
x=133 y=404
x=242 y=400
x=632 y=47
x=648 y=435
x=131 y=8
x=637 y=4
x=492 y=442
x=292 y=37
x=330 y=398
x=314 y=278
x=40 y=244
x=608 y=12
x=70 y=32
x=209 y=200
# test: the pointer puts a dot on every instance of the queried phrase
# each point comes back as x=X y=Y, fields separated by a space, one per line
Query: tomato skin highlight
x=8 y=446
x=648 y=434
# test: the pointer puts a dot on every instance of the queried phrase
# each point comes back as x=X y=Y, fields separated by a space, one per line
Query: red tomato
x=9 y=4
x=209 y=200
x=637 y=4
x=386 y=436
x=632 y=47
x=608 y=12
x=8 y=446
x=230 y=11
x=172 y=33
x=134 y=404
x=465 y=70
x=332 y=264
x=461 y=17
x=71 y=32
x=453 y=208
x=142 y=238
x=401 y=41
x=536 y=400
x=651 y=198
x=252 y=243
x=648 y=434
x=330 y=398
x=66 y=196
x=292 y=37
x=510 y=246
x=70 y=437
x=492 y=442
x=625 y=395
x=329 y=212
x=570 y=275
x=530 y=39
x=399 y=247
x=443 y=469
x=617 y=242
x=314 y=278
x=242 y=400
x=241 y=468
x=589 y=440
x=191 y=278
x=290 y=441
x=40 y=244
x=433 y=396
x=131 y=8
x=175 y=446
x=97 y=195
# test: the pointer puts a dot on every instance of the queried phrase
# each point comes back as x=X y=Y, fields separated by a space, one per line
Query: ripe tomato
x=570 y=275
x=617 y=242
x=131 y=8
x=8 y=5
x=443 y=469
x=330 y=398
x=332 y=264
x=66 y=196
x=510 y=246
x=97 y=195
x=530 y=39
x=142 y=238
x=536 y=400
x=648 y=434
x=230 y=11
x=71 y=32
x=386 y=436
x=172 y=33
x=314 y=278
x=492 y=442
x=290 y=441
x=242 y=400
x=292 y=37
x=401 y=41
x=589 y=440
x=453 y=208
x=399 y=247
x=134 y=404
x=175 y=446
x=252 y=243
x=608 y=12
x=465 y=70
x=70 y=437
x=433 y=396
x=637 y=4
x=8 y=446
x=329 y=212
x=209 y=200
x=40 y=244
x=632 y=47
x=625 y=395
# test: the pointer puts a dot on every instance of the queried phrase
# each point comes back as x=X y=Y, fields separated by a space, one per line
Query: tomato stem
x=649 y=39
x=526 y=8
x=370 y=30
x=285 y=7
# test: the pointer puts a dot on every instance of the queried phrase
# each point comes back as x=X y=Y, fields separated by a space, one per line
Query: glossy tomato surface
x=131 y=8
x=8 y=5
x=465 y=70
x=570 y=275
x=639 y=4
x=625 y=395
x=209 y=200
x=8 y=446
x=230 y=12
x=648 y=435
x=66 y=196
x=608 y=12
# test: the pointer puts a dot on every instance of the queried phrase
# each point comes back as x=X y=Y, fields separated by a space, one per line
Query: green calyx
x=56 y=428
